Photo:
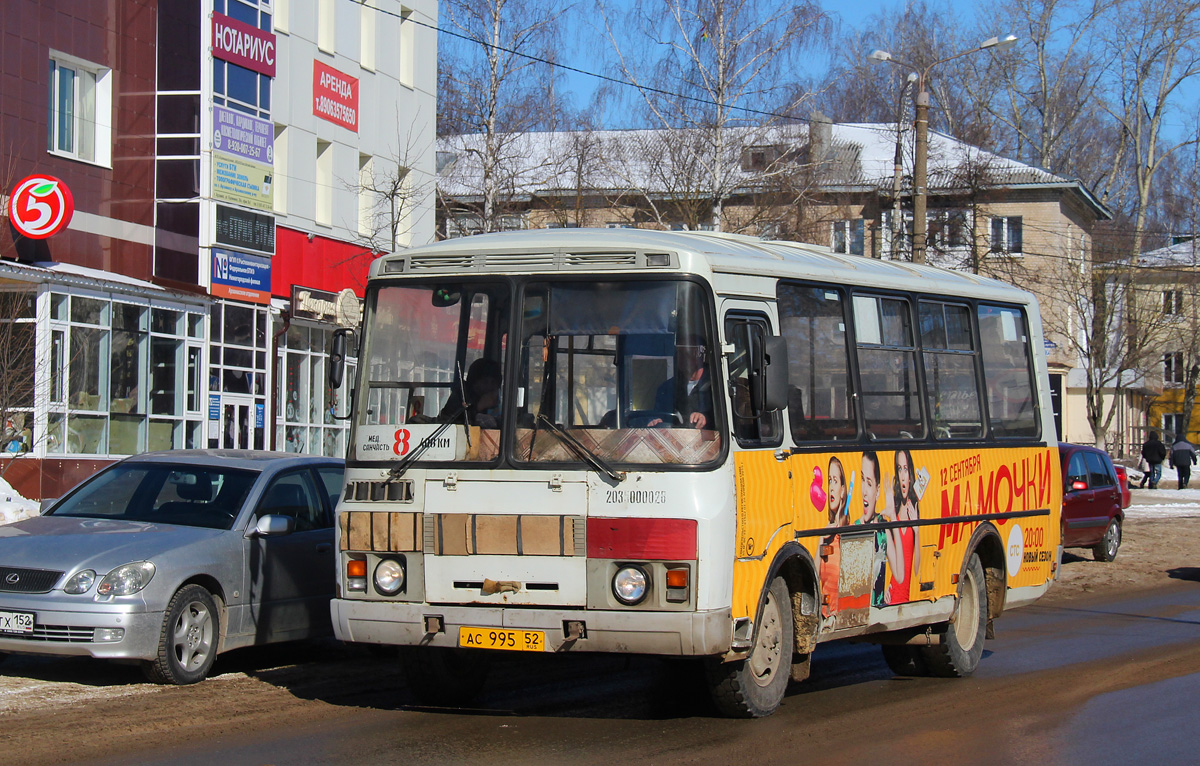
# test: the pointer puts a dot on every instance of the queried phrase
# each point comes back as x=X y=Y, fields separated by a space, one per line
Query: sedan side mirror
x=1078 y=485
x=273 y=525
x=46 y=505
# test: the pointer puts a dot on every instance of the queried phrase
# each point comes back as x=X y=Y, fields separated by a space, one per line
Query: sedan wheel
x=187 y=645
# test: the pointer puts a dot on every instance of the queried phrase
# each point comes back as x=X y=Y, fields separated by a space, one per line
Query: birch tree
x=490 y=84
x=698 y=65
x=1154 y=47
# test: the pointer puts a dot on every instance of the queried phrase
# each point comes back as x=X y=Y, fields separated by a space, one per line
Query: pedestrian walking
x=1154 y=452
x=1183 y=457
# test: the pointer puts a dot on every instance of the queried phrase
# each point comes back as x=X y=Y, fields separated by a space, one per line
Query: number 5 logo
x=40 y=206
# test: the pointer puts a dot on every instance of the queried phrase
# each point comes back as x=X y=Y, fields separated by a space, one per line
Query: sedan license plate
x=16 y=622
x=502 y=638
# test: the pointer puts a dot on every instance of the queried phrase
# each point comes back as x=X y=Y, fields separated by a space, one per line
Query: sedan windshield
x=162 y=494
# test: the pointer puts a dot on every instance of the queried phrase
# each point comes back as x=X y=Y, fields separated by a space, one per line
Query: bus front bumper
x=692 y=634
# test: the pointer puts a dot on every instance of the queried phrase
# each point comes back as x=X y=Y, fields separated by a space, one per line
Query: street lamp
x=921 y=160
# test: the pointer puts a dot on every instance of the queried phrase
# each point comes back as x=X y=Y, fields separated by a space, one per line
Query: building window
x=326 y=25
x=463 y=225
x=1172 y=302
x=126 y=376
x=237 y=375
x=1173 y=426
x=948 y=229
x=80 y=110
x=407 y=40
x=770 y=229
x=305 y=421
x=323 y=214
x=368 y=21
x=366 y=195
x=1007 y=234
x=849 y=236
x=1173 y=372
x=280 y=173
x=235 y=86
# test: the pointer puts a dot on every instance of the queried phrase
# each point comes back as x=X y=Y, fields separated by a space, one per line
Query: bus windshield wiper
x=589 y=457
x=396 y=471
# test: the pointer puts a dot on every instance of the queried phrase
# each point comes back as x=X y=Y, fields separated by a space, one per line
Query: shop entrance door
x=237 y=422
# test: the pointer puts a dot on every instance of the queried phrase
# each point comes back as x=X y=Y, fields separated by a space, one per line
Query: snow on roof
x=859 y=155
x=1180 y=254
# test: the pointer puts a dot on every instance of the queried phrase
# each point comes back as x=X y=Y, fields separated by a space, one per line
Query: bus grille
x=395 y=491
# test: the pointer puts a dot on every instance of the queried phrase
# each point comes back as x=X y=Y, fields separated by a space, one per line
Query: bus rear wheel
x=754 y=687
x=961 y=645
x=444 y=676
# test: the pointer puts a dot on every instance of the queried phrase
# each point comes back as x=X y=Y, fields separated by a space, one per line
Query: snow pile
x=13 y=507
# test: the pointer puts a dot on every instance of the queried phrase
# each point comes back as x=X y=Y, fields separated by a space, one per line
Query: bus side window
x=820 y=392
x=750 y=431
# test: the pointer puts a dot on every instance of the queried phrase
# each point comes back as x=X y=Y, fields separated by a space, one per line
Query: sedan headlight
x=126 y=579
x=80 y=582
x=389 y=577
x=629 y=585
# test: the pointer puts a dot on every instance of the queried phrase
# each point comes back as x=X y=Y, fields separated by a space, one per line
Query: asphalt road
x=1105 y=680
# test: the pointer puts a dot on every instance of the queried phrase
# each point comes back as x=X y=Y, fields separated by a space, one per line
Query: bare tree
x=1043 y=93
x=1154 y=47
x=390 y=192
x=698 y=68
x=491 y=85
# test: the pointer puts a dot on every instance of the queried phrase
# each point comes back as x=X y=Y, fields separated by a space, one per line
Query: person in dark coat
x=689 y=392
x=1183 y=457
x=1154 y=452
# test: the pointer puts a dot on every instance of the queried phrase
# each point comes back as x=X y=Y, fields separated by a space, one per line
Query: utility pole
x=921 y=153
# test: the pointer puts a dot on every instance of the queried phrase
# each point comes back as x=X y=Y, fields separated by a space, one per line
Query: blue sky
x=588 y=54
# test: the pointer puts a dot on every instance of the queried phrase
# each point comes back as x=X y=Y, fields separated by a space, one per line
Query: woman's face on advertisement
x=837 y=490
x=903 y=473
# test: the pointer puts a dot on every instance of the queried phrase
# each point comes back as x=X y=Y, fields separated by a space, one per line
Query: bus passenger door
x=765 y=512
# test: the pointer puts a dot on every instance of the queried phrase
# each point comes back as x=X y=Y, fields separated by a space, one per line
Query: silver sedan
x=171 y=558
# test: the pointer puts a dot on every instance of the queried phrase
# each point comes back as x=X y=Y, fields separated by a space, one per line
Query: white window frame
x=845 y=229
x=1003 y=244
x=101 y=121
x=1173 y=372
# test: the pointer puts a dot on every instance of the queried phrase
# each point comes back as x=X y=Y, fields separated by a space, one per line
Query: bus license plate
x=16 y=622
x=502 y=638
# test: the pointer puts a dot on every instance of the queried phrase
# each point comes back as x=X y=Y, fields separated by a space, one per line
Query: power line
x=567 y=67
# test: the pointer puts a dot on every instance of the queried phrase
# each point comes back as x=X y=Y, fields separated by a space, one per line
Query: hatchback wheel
x=1107 y=549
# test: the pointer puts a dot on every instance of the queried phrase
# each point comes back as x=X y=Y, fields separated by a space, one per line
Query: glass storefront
x=306 y=419
x=122 y=375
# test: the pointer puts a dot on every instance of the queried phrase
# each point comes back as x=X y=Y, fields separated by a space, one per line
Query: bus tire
x=905 y=660
x=445 y=676
x=962 y=638
x=754 y=687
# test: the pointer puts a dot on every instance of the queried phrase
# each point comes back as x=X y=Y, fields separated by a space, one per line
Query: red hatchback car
x=1094 y=501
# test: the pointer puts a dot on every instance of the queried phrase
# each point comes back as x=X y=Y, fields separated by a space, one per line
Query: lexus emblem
x=13 y=578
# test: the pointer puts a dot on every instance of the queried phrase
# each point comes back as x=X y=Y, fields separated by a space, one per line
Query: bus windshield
x=623 y=367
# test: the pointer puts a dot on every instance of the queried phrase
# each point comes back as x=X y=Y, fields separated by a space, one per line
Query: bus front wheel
x=754 y=687
x=961 y=646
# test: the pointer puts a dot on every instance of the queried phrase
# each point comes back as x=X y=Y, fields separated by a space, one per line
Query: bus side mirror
x=337 y=356
x=776 y=396
x=768 y=371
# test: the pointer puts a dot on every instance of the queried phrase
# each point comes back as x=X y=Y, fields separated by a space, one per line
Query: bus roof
x=710 y=254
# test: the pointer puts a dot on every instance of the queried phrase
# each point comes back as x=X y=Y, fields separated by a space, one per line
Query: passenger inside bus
x=483 y=394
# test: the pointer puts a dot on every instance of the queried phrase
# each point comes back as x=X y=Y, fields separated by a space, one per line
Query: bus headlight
x=389 y=577
x=630 y=584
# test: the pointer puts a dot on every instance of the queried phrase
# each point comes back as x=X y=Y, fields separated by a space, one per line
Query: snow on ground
x=13 y=507
x=1168 y=501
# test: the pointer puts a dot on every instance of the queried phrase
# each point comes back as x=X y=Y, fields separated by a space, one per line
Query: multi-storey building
x=234 y=166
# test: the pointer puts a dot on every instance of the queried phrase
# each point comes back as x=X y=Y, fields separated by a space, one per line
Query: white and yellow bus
x=690 y=444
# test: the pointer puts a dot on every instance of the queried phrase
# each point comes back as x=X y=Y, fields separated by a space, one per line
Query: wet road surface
x=1113 y=680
